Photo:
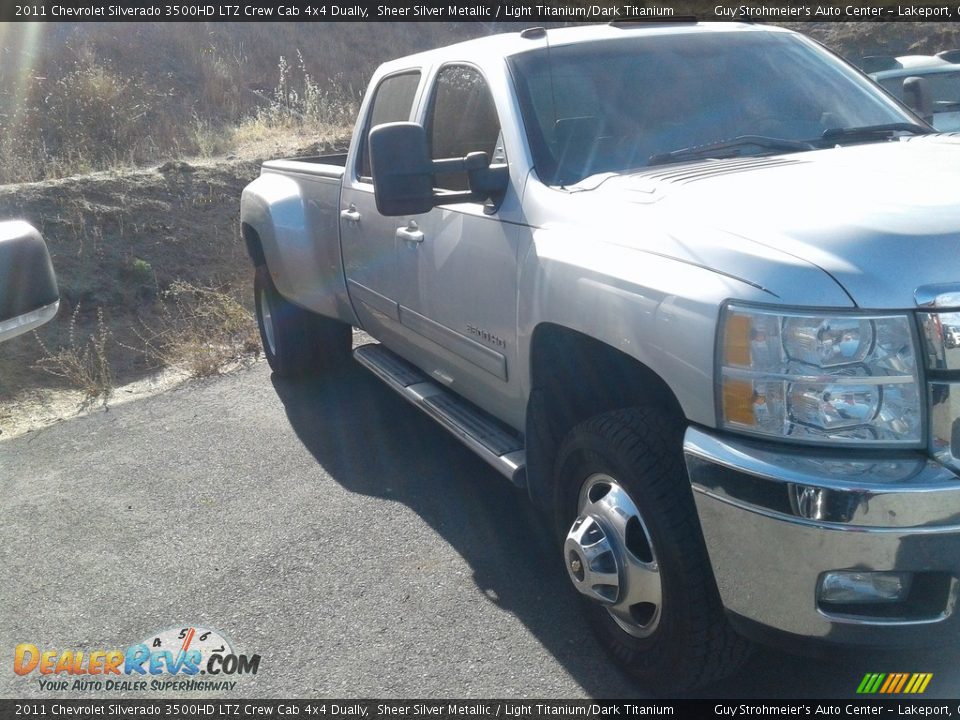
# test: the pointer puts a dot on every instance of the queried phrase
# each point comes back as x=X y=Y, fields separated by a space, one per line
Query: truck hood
x=881 y=219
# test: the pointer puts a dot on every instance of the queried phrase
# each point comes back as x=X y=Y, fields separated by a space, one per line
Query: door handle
x=351 y=214
x=411 y=233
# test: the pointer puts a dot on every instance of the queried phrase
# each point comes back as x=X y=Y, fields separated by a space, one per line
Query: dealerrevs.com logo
x=168 y=660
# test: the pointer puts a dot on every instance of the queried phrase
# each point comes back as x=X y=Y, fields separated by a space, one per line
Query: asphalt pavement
x=328 y=527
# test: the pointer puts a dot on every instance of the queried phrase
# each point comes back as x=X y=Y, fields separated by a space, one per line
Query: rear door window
x=391 y=103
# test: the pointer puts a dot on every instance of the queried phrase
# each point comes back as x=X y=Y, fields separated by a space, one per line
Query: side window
x=392 y=102
x=463 y=119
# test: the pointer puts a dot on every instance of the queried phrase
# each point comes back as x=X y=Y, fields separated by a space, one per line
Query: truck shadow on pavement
x=374 y=443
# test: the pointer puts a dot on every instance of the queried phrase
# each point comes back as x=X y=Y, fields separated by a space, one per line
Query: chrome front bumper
x=775 y=520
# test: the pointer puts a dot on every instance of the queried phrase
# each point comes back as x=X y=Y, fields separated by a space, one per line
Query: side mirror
x=403 y=172
x=29 y=296
x=401 y=168
x=486 y=181
x=917 y=97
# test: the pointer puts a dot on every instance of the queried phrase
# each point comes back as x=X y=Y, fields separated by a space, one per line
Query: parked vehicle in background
x=685 y=283
x=952 y=337
x=939 y=102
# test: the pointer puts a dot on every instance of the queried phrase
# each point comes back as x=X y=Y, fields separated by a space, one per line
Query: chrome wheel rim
x=610 y=557
x=266 y=321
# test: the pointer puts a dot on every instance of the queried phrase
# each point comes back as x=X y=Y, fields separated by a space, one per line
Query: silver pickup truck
x=689 y=285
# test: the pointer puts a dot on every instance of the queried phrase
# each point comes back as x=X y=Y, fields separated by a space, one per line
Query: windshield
x=610 y=106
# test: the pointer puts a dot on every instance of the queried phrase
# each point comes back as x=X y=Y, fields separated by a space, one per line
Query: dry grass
x=99 y=96
x=199 y=329
x=299 y=104
x=83 y=362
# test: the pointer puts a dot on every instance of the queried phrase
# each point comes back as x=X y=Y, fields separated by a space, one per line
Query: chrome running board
x=498 y=445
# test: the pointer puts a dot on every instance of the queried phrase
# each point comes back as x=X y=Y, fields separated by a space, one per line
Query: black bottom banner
x=513 y=709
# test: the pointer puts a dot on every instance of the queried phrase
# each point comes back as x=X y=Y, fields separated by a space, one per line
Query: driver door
x=457 y=264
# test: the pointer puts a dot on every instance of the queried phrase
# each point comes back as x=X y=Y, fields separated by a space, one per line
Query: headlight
x=827 y=378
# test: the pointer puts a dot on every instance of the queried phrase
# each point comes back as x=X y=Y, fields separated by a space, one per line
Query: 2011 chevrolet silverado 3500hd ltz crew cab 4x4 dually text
x=690 y=285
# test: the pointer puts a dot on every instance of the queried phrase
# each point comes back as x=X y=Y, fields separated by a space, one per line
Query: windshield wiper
x=873 y=132
x=760 y=141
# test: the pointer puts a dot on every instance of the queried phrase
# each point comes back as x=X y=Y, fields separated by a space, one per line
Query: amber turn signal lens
x=738 y=402
x=736 y=350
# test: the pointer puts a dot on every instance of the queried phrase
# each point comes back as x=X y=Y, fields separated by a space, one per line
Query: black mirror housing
x=486 y=180
x=28 y=286
x=918 y=97
x=401 y=168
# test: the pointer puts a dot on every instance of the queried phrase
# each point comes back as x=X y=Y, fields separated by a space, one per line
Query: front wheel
x=634 y=551
x=296 y=341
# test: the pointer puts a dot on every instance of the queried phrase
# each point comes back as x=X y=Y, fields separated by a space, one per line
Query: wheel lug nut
x=576 y=565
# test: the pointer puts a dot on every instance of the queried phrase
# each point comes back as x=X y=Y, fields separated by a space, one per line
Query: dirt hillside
x=120 y=240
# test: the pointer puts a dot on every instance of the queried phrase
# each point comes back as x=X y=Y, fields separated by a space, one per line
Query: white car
x=941 y=73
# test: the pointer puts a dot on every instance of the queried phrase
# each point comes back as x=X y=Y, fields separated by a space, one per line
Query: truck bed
x=323 y=165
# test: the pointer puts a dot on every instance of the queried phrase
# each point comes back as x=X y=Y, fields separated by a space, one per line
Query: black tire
x=296 y=341
x=686 y=641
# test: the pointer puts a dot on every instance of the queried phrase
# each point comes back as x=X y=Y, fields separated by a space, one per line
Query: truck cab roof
x=495 y=48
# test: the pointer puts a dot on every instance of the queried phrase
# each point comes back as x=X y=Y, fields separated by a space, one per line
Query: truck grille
x=941 y=339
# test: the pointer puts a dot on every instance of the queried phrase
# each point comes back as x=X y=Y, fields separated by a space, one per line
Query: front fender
x=657 y=310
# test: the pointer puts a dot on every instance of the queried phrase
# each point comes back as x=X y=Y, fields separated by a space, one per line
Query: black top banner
x=505 y=11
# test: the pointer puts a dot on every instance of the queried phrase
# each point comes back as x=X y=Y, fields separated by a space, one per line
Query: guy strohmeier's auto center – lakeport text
x=756 y=12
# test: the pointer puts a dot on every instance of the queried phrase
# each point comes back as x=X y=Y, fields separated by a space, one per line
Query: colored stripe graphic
x=910 y=685
x=892 y=680
x=874 y=683
x=919 y=682
x=894 y=683
x=903 y=681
